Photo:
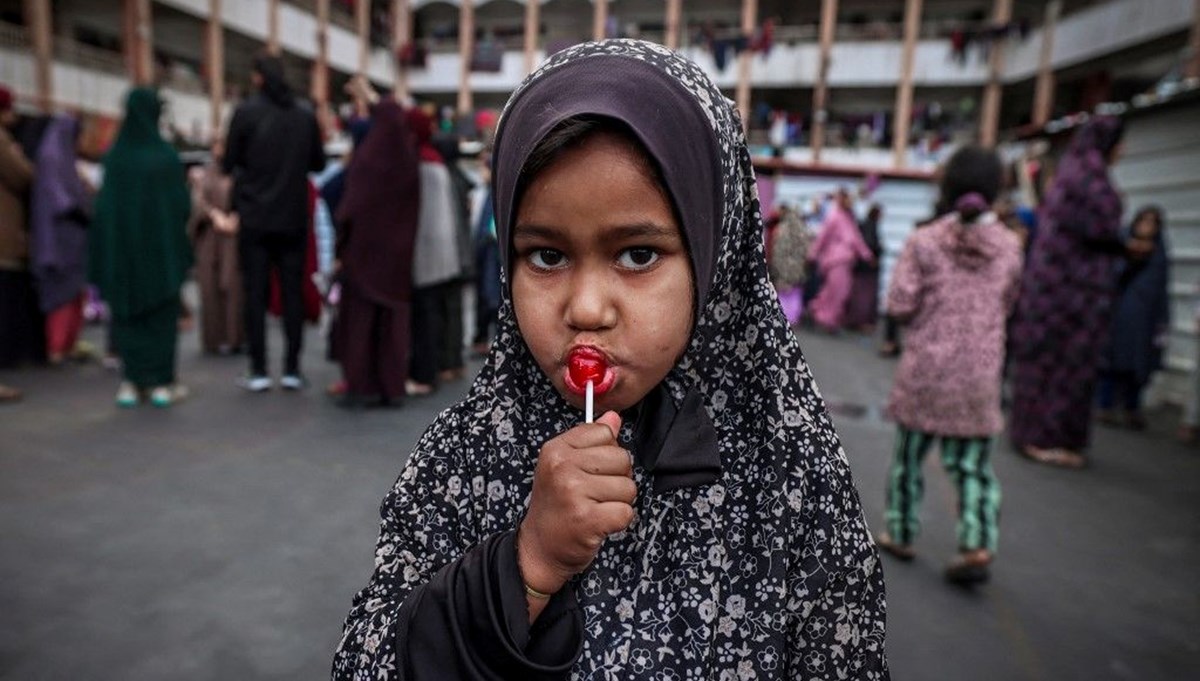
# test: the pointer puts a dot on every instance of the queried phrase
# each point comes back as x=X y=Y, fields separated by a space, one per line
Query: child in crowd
x=953 y=288
x=706 y=525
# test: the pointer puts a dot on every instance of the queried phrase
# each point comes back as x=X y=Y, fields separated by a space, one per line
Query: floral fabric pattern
x=768 y=573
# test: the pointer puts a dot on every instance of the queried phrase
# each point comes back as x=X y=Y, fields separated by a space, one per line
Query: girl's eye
x=547 y=259
x=637 y=258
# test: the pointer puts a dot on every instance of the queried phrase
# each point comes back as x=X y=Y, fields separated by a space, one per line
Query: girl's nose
x=591 y=305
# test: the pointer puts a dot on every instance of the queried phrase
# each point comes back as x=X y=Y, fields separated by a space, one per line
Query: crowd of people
x=381 y=244
x=1065 y=306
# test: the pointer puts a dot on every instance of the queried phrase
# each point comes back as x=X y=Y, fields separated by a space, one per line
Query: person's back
x=273 y=144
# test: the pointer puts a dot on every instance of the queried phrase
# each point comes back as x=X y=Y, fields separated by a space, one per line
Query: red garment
x=422 y=128
x=63 y=326
x=312 y=297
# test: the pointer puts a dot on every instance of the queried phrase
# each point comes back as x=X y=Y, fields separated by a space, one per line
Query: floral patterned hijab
x=767 y=571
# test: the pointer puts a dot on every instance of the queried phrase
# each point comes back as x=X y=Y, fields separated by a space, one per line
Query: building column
x=319 y=80
x=139 y=41
x=41 y=37
x=362 y=24
x=674 y=17
x=749 y=19
x=533 y=9
x=1043 y=98
x=273 y=26
x=821 y=91
x=214 y=50
x=989 y=121
x=902 y=116
x=599 y=19
x=402 y=36
x=466 y=51
x=1192 y=68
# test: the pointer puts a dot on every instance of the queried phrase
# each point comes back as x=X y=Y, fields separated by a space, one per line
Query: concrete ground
x=224 y=538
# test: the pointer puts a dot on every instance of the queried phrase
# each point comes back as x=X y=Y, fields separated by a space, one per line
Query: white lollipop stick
x=588 y=404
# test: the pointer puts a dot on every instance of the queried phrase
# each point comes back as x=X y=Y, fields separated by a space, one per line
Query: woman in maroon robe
x=377 y=227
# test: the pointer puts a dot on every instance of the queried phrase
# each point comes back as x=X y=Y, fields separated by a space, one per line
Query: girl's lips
x=591 y=355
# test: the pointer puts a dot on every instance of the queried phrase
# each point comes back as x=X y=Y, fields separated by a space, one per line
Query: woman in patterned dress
x=1065 y=308
x=953 y=288
x=706 y=526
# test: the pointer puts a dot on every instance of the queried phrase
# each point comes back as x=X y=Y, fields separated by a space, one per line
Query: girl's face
x=600 y=262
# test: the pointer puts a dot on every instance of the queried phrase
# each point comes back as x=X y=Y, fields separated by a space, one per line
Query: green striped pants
x=968 y=463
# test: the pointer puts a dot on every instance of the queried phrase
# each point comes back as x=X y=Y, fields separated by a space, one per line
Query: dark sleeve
x=470 y=622
x=235 y=142
x=316 y=160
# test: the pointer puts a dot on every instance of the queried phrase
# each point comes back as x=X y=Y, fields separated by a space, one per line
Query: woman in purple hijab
x=1062 y=320
x=59 y=214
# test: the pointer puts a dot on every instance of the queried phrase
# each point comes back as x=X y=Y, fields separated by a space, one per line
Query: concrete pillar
x=533 y=9
x=215 y=52
x=466 y=50
x=673 y=19
x=402 y=35
x=749 y=20
x=821 y=91
x=1192 y=68
x=319 y=81
x=139 y=41
x=1043 y=98
x=41 y=36
x=599 y=18
x=273 y=26
x=362 y=24
x=989 y=120
x=902 y=120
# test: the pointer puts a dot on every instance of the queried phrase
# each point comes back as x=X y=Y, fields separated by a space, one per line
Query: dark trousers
x=1120 y=387
x=437 y=340
x=22 y=326
x=260 y=253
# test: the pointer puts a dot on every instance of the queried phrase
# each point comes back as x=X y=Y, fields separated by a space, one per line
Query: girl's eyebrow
x=635 y=230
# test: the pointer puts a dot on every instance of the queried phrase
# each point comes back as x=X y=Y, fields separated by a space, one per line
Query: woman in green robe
x=139 y=250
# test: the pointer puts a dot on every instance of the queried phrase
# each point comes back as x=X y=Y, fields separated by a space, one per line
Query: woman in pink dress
x=838 y=248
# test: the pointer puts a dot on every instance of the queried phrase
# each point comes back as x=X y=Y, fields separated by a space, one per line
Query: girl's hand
x=583 y=491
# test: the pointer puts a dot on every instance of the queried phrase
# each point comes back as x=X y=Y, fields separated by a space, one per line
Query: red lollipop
x=585 y=367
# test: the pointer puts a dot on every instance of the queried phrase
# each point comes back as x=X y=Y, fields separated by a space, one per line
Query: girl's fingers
x=590 y=435
x=609 y=460
x=606 y=488
x=613 y=516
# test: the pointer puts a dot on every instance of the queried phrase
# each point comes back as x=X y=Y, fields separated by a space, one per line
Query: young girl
x=706 y=525
x=953 y=288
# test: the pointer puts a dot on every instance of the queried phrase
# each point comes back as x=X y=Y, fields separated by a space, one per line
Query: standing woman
x=139 y=250
x=377 y=227
x=1141 y=320
x=953 y=288
x=436 y=265
x=1065 y=309
x=213 y=230
x=863 y=308
x=59 y=215
x=837 y=249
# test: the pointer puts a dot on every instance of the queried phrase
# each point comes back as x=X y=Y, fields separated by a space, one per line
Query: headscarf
x=274 y=84
x=1083 y=198
x=767 y=569
x=139 y=252
x=58 y=217
x=6 y=99
x=421 y=125
x=377 y=216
